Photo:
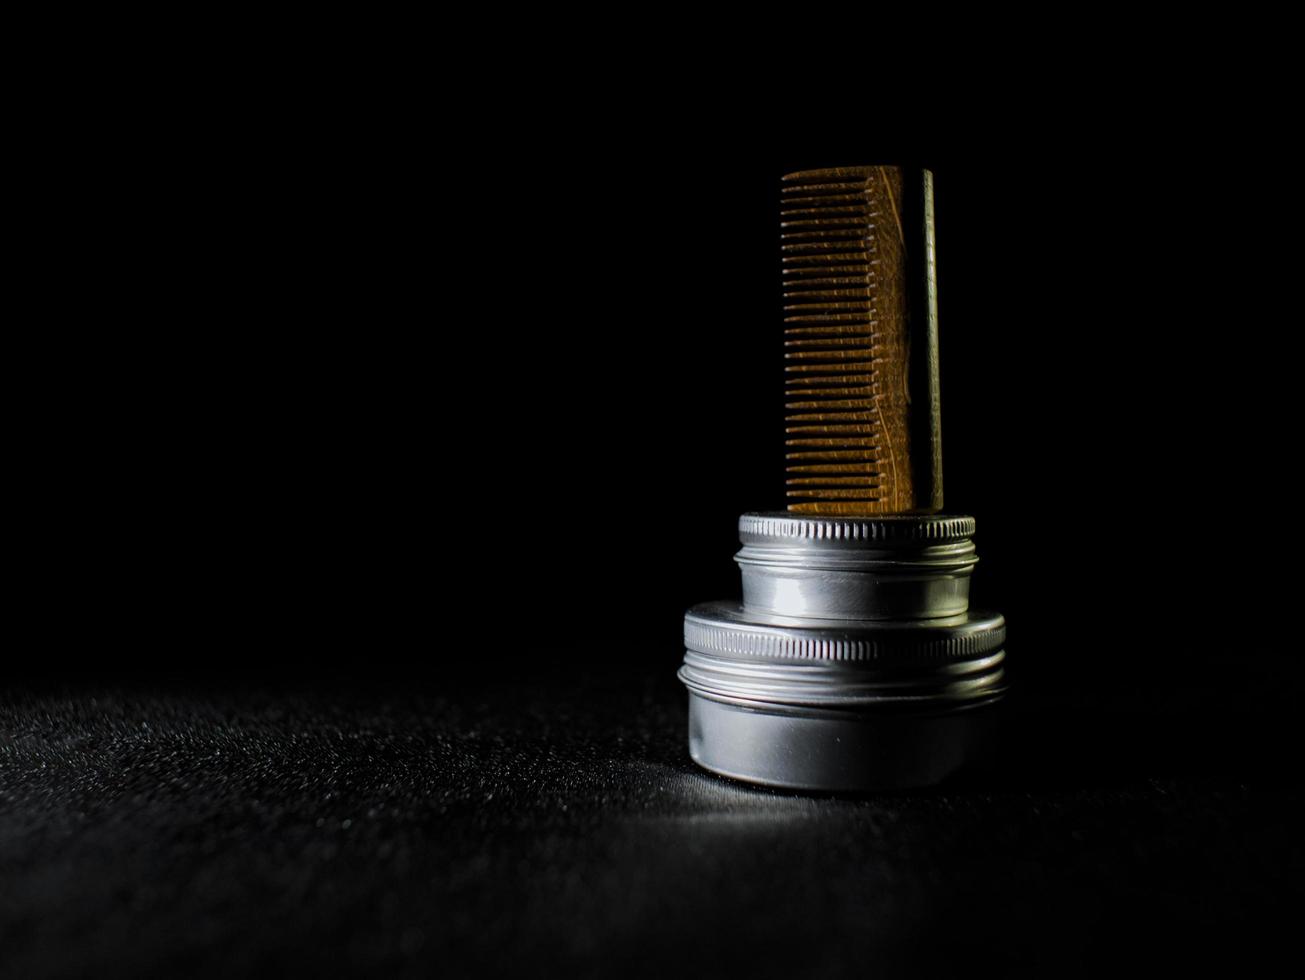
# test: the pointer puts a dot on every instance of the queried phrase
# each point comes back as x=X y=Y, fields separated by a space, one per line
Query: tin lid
x=786 y=528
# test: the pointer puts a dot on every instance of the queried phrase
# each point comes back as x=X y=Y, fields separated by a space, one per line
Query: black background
x=369 y=387
x=410 y=437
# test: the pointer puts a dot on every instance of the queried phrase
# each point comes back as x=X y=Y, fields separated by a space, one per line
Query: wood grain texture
x=856 y=327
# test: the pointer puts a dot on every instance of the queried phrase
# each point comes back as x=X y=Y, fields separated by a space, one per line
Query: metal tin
x=910 y=567
x=829 y=752
x=853 y=663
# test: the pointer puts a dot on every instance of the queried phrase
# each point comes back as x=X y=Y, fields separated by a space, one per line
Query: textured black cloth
x=557 y=827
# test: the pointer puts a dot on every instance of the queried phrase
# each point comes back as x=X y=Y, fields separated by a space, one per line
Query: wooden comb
x=862 y=428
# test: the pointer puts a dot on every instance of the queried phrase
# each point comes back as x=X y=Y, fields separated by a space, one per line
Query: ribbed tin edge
x=782 y=526
x=725 y=628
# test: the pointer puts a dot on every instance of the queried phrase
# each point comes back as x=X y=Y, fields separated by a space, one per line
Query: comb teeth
x=841 y=450
x=859 y=332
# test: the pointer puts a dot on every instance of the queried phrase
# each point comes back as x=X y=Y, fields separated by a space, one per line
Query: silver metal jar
x=853 y=661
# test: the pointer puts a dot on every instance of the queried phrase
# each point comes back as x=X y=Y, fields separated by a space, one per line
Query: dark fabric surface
x=559 y=827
